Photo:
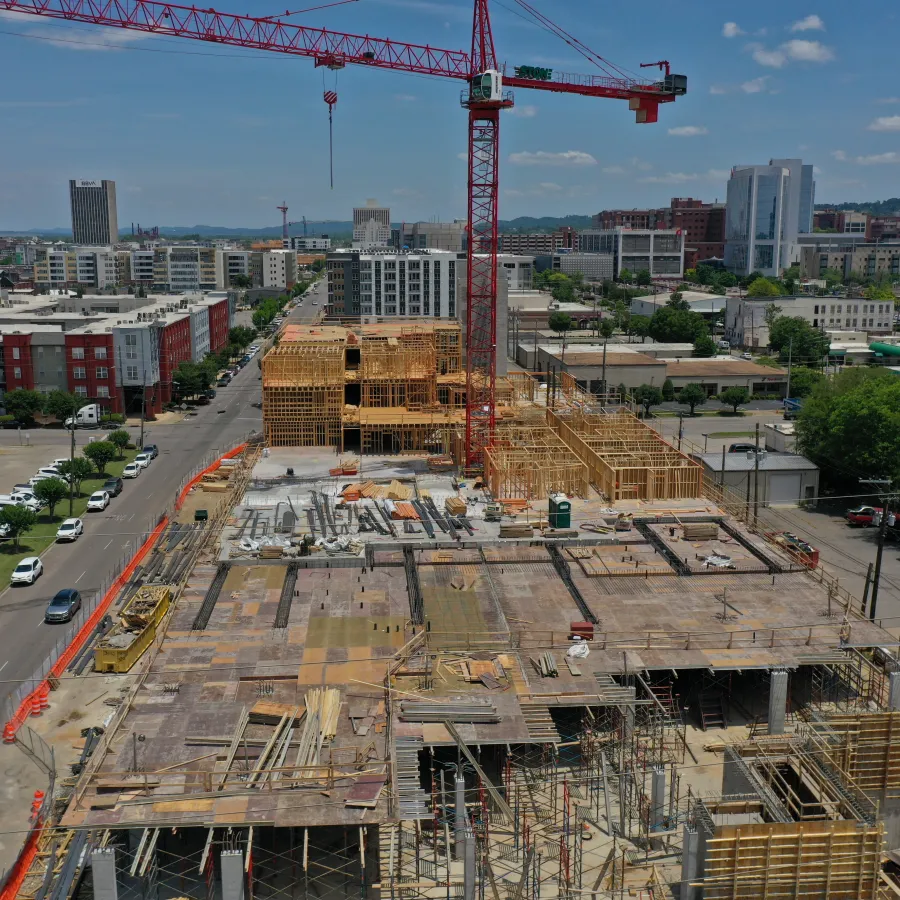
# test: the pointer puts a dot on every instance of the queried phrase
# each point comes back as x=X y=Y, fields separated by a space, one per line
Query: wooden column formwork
x=303 y=393
x=823 y=860
x=626 y=460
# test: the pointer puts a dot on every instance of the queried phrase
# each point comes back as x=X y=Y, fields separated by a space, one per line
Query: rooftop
x=746 y=462
x=719 y=366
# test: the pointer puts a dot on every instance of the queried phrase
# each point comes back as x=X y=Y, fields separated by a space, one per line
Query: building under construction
x=368 y=687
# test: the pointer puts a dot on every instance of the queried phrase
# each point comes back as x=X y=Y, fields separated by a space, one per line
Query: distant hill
x=889 y=207
x=530 y=224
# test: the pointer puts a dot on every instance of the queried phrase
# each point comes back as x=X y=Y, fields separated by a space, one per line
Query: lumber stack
x=396 y=491
x=433 y=712
x=440 y=463
x=265 y=712
x=517 y=530
x=455 y=506
x=403 y=510
x=546 y=665
x=700 y=531
x=326 y=704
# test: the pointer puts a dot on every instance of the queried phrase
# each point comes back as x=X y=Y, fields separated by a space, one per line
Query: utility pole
x=790 y=353
x=882 y=531
x=72 y=457
x=756 y=481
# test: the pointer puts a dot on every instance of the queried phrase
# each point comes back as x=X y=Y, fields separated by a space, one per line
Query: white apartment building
x=200 y=343
x=519 y=270
x=184 y=269
x=88 y=266
x=660 y=252
x=767 y=208
x=279 y=268
x=306 y=244
x=745 y=317
x=229 y=265
x=371 y=226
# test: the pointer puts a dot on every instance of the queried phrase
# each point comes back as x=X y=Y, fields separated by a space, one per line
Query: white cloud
x=774 y=59
x=808 y=51
x=528 y=111
x=685 y=177
x=613 y=170
x=718 y=174
x=810 y=23
x=878 y=159
x=885 y=123
x=818 y=171
x=406 y=192
x=755 y=85
x=688 y=131
x=405 y=98
x=463 y=156
x=731 y=29
x=888 y=100
x=99 y=39
x=839 y=155
x=543 y=189
x=550 y=187
x=718 y=89
x=641 y=164
x=546 y=158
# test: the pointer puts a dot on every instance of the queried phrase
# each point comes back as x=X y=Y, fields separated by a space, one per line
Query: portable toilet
x=560 y=511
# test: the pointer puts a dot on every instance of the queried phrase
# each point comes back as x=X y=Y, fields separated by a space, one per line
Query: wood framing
x=827 y=860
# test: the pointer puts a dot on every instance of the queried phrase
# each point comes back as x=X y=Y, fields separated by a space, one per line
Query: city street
x=25 y=640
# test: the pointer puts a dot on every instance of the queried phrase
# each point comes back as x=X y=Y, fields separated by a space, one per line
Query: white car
x=143 y=459
x=254 y=348
x=747 y=355
x=49 y=472
x=71 y=529
x=27 y=571
x=56 y=462
x=99 y=500
x=132 y=470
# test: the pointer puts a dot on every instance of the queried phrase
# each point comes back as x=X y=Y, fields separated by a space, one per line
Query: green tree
x=771 y=313
x=804 y=380
x=76 y=470
x=241 y=281
x=648 y=395
x=692 y=395
x=120 y=438
x=676 y=301
x=241 y=337
x=607 y=327
x=807 y=344
x=878 y=292
x=51 y=491
x=668 y=390
x=559 y=322
x=192 y=378
x=561 y=288
x=832 y=277
x=704 y=346
x=625 y=276
x=61 y=404
x=23 y=404
x=639 y=325
x=101 y=453
x=18 y=520
x=734 y=397
x=643 y=277
x=691 y=275
x=680 y=326
x=850 y=424
x=763 y=287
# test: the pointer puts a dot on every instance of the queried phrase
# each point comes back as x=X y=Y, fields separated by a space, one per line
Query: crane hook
x=330 y=98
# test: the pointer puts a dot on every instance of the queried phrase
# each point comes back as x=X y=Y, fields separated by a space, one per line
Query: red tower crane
x=484 y=96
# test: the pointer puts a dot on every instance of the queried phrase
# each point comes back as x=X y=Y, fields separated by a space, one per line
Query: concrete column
x=469 y=865
x=894 y=690
x=778 y=686
x=459 y=823
x=657 y=798
x=103 y=864
x=232 y=862
x=689 y=864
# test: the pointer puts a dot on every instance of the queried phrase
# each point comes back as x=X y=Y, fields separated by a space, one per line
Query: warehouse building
x=784 y=478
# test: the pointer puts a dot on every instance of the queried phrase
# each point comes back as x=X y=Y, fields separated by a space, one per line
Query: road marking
x=39 y=624
x=109 y=543
x=80 y=576
x=4 y=665
x=131 y=517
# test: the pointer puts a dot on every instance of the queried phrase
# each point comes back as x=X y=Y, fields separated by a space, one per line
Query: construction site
x=583 y=673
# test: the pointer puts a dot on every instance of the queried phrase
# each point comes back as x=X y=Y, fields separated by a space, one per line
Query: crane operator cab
x=486 y=87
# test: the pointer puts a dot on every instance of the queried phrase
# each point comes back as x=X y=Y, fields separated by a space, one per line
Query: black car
x=223 y=381
x=63 y=606
x=113 y=486
x=152 y=449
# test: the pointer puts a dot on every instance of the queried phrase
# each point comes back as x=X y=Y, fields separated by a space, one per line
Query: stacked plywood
x=455 y=506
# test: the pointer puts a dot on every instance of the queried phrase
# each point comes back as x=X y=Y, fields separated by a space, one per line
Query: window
x=79 y=372
x=131 y=340
x=17 y=372
x=16 y=352
x=80 y=390
x=78 y=353
x=131 y=372
x=102 y=391
x=102 y=372
x=99 y=352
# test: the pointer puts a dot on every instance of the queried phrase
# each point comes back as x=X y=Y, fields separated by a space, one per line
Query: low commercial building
x=565 y=238
x=585 y=364
x=430 y=236
x=595 y=267
x=709 y=305
x=305 y=244
x=869 y=260
x=716 y=374
x=660 y=252
x=783 y=478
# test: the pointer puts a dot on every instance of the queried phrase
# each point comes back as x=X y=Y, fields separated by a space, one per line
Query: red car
x=863 y=515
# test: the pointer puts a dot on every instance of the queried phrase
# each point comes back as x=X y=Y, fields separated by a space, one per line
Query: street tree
x=18 y=520
x=704 y=346
x=241 y=336
x=692 y=395
x=734 y=397
x=805 y=343
x=648 y=395
x=23 y=404
x=241 y=281
x=625 y=276
x=559 y=322
x=640 y=325
x=804 y=380
x=880 y=292
x=120 y=438
x=763 y=287
x=61 y=404
x=51 y=491
x=679 y=326
x=643 y=277
x=76 y=470
x=676 y=301
x=607 y=327
x=101 y=453
x=668 y=391
x=192 y=378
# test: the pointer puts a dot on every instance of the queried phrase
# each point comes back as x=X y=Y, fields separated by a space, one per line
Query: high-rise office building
x=371 y=226
x=94 y=217
x=767 y=208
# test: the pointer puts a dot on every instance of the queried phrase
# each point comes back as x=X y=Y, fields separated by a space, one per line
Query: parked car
x=746 y=355
x=863 y=515
x=56 y=462
x=63 y=606
x=152 y=449
x=143 y=460
x=27 y=571
x=71 y=529
x=113 y=486
x=27 y=498
x=49 y=472
x=132 y=470
x=98 y=501
x=223 y=381
x=742 y=448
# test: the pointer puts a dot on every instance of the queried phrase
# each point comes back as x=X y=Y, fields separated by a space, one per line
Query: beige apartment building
x=869 y=260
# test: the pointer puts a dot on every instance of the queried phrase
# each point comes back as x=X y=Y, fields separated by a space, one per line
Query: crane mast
x=485 y=96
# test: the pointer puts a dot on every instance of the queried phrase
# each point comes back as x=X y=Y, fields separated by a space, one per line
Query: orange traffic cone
x=45 y=696
x=9 y=733
x=36 y=703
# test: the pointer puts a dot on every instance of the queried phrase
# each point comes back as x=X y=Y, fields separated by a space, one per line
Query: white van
x=723 y=345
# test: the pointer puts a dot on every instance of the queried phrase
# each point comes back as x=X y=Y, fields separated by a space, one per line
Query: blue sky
x=196 y=133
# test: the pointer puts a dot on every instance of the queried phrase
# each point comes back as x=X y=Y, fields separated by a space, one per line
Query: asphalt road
x=25 y=640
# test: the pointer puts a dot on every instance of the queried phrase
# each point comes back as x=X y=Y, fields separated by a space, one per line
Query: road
x=25 y=640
